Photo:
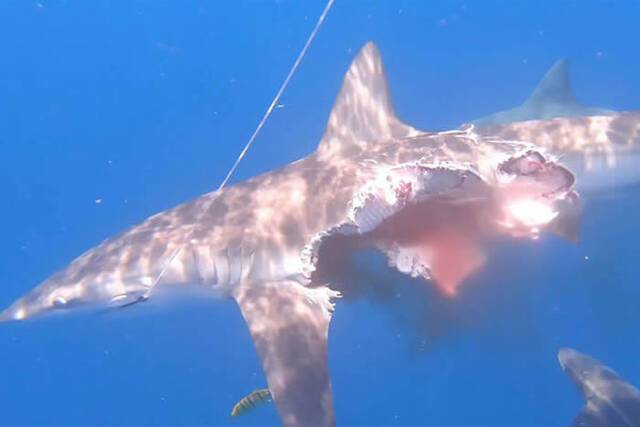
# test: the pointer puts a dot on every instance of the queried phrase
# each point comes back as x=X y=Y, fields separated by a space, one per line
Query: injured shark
x=553 y=97
x=611 y=401
x=425 y=200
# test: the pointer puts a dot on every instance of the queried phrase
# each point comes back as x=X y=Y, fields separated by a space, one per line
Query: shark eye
x=59 y=301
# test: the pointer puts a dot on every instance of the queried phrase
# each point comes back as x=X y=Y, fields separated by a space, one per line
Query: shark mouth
x=431 y=220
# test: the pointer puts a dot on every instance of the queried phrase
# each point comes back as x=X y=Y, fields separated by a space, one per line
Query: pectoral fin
x=289 y=324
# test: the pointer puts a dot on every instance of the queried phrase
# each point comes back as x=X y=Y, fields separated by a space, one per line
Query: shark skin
x=553 y=97
x=602 y=151
x=272 y=243
x=600 y=146
x=611 y=401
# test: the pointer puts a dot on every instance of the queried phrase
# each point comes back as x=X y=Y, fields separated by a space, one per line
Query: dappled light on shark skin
x=427 y=201
x=600 y=146
x=603 y=151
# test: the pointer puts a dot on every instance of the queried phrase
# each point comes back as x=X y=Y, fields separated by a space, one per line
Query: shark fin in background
x=553 y=97
x=555 y=86
x=289 y=324
x=611 y=401
x=363 y=112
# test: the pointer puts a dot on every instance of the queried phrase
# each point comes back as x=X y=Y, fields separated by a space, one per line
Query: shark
x=611 y=401
x=603 y=151
x=553 y=97
x=599 y=145
x=428 y=201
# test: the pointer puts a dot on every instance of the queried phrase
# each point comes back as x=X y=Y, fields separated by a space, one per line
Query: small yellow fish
x=250 y=401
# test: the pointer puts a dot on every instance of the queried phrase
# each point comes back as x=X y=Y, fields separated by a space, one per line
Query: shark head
x=113 y=274
x=72 y=290
x=611 y=401
x=581 y=368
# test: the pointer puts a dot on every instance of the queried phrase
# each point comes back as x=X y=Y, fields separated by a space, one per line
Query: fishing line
x=249 y=143
x=292 y=71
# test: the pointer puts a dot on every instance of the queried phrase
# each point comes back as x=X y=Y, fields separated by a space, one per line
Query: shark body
x=600 y=146
x=603 y=151
x=553 y=97
x=611 y=401
x=271 y=243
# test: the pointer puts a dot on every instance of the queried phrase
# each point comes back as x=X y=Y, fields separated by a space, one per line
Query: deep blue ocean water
x=112 y=111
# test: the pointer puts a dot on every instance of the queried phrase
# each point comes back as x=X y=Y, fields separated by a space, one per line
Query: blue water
x=112 y=111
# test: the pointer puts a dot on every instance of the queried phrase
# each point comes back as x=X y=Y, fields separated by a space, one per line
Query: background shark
x=603 y=151
x=600 y=146
x=552 y=97
x=272 y=243
x=611 y=401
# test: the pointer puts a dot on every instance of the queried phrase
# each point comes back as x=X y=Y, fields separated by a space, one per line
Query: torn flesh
x=432 y=222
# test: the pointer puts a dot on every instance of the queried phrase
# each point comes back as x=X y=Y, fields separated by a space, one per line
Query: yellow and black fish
x=250 y=401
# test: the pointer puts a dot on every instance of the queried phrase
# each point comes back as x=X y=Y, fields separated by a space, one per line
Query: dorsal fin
x=363 y=113
x=555 y=86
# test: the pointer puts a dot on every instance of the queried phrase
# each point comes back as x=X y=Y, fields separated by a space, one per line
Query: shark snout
x=39 y=301
x=28 y=306
x=565 y=356
x=16 y=311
